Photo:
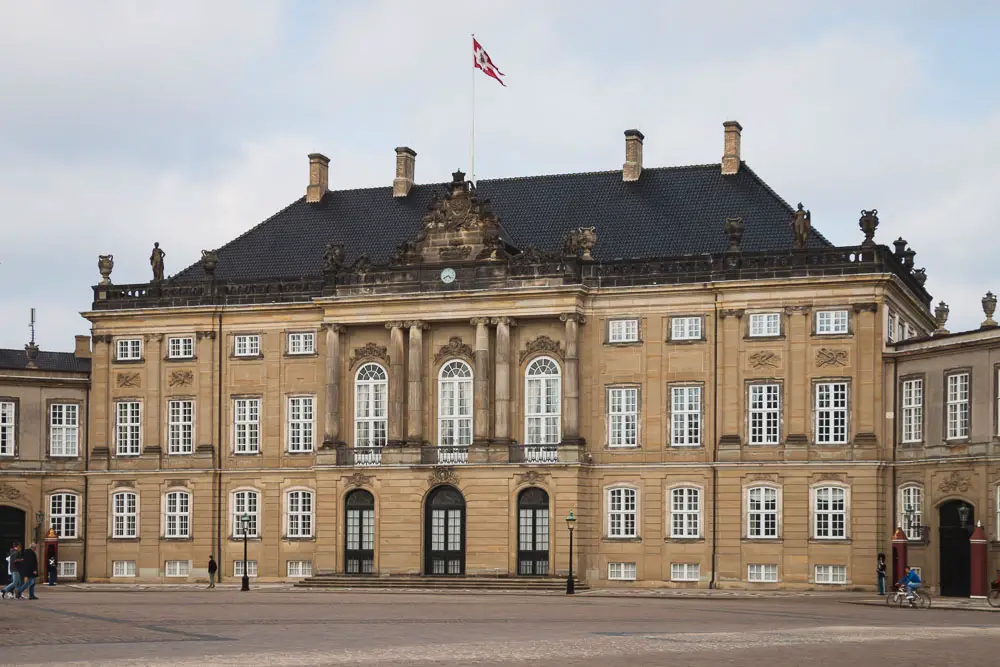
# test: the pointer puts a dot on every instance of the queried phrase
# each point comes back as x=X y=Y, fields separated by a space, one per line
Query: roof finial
x=31 y=350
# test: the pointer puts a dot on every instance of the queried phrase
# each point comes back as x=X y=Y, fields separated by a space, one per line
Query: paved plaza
x=283 y=627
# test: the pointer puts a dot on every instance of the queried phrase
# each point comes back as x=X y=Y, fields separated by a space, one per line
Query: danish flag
x=481 y=60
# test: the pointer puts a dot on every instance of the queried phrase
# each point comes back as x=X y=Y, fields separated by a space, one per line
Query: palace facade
x=426 y=379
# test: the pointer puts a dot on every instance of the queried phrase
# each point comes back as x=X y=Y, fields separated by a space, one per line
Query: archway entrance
x=954 y=546
x=444 y=532
x=12 y=526
x=533 y=532
x=359 y=545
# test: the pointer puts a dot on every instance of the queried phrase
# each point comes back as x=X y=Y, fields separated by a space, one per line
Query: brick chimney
x=319 y=177
x=406 y=160
x=82 y=350
x=731 y=156
x=633 y=156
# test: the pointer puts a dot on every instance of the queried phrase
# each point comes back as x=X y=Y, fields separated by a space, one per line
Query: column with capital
x=415 y=384
x=332 y=436
x=571 y=424
x=396 y=383
x=868 y=346
x=798 y=383
x=481 y=386
x=501 y=394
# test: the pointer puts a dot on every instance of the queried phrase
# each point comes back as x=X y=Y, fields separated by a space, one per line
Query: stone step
x=437 y=583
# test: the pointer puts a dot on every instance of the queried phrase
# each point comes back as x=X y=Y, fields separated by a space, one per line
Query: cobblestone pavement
x=282 y=627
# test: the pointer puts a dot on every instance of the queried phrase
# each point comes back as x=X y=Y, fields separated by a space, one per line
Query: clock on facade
x=447 y=275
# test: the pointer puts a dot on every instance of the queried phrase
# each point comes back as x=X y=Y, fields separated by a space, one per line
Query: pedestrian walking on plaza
x=29 y=572
x=212 y=569
x=880 y=570
x=14 y=567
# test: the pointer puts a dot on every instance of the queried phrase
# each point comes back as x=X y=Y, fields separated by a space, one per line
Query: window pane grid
x=124 y=514
x=247 y=346
x=245 y=503
x=765 y=414
x=178 y=514
x=301 y=343
x=765 y=324
x=62 y=515
x=831 y=413
x=128 y=428
x=64 y=430
x=685 y=410
x=543 y=403
x=247 y=421
x=180 y=348
x=7 y=430
x=622 y=513
x=300 y=504
x=685 y=328
x=685 y=512
x=623 y=417
x=301 y=419
x=911 y=510
x=370 y=401
x=180 y=427
x=831 y=513
x=831 y=322
x=913 y=410
x=958 y=406
x=762 y=514
x=623 y=331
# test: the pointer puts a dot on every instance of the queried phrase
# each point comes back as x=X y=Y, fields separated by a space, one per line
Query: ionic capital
x=574 y=317
x=395 y=324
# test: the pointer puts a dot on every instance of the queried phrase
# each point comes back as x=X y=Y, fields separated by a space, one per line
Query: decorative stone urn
x=868 y=224
x=104 y=264
x=209 y=260
x=989 y=307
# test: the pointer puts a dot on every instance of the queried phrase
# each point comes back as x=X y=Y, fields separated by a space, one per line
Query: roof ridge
x=603 y=172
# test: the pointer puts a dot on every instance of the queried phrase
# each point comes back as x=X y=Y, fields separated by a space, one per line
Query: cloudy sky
x=186 y=123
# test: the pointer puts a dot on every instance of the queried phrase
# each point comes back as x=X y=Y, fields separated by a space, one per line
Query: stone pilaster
x=415 y=384
x=501 y=397
x=730 y=385
x=864 y=400
x=396 y=382
x=571 y=420
x=481 y=387
x=332 y=436
x=797 y=390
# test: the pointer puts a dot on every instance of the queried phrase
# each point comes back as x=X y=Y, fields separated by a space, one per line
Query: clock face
x=448 y=275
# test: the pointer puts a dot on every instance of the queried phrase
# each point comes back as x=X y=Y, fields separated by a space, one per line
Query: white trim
x=958 y=408
x=911 y=394
x=306 y=423
x=689 y=571
x=681 y=329
x=132 y=348
x=763 y=511
x=122 y=569
x=831 y=512
x=624 y=330
x=251 y=344
x=303 y=517
x=690 y=431
x=181 y=515
x=69 y=432
x=182 y=569
x=184 y=429
x=8 y=428
x=830 y=576
x=63 y=515
x=684 y=533
x=548 y=412
x=125 y=533
x=625 y=417
x=766 y=396
x=902 y=505
x=763 y=572
x=376 y=418
x=132 y=446
x=301 y=342
x=835 y=322
x=830 y=391
x=251 y=423
x=765 y=325
x=622 y=571
x=455 y=425
x=235 y=532
x=184 y=345
x=623 y=529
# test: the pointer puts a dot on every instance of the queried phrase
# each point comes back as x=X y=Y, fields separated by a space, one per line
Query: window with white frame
x=177 y=514
x=180 y=426
x=958 y=406
x=623 y=417
x=300 y=568
x=913 y=410
x=251 y=568
x=765 y=324
x=123 y=568
x=765 y=414
x=831 y=322
x=302 y=343
x=128 y=427
x=66 y=569
x=181 y=347
x=64 y=429
x=762 y=573
x=685 y=512
x=177 y=568
x=685 y=328
x=128 y=349
x=299 y=514
x=762 y=512
x=455 y=404
x=123 y=514
x=63 y=515
x=685 y=416
x=685 y=572
x=831 y=574
x=911 y=511
x=543 y=405
x=621 y=571
x=890 y=327
x=247 y=345
x=7 y=430
x=247 y=423
x=623 y=331
x=245 y=503
x=301 y=423
x=371 y=387
x=830 y=513
x=831 y=413
x=622 y=510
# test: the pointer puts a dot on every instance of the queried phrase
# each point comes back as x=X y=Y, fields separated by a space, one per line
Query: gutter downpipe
x=715 y=436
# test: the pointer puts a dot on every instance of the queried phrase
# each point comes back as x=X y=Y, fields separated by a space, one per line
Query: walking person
x=213 y=568
x=880 y=571
x=29 y=572
x=14 y=565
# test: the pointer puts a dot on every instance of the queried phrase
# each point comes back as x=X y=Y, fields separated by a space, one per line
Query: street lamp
x=39 y=518
x=245 y=522
x=963 y=514
x=570 y=522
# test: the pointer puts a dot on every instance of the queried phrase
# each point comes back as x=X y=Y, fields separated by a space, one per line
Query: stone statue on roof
x=156 y=261
x=801 y=224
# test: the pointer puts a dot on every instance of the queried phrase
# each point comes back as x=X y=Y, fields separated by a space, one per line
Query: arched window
x=63 y=514
x=299 y=513
x=455 y=404
x=542 y=409
x=177 y=514
x=246 y=501
x=685 y=512
x=911 y=510
x=371 y=389
x=762 y=512
x=622 y=512
x=830 y=513
x=123 y=514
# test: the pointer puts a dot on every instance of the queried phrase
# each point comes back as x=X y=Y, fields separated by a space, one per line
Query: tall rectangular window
x=62 y=515
x=128 y=427
x=762 y=512
x=765 y=324
x=123 y=507
x=622 y=512
x=831 y=413
x=890 y=327
x=685 y=512
x=685 y=328
x=299 y=514
x=301 y=419
x=685 y=416
x=181 y=347
x=623 y=331
x=301 y=343
x=765 y=414
x=830 y=513
x=913 y=410
x=911 y=511
x=247 y=345
x=7 y=431
x=180 y=427
x=64 y=429
x=128 y=349
x=178 y=514
x=958 y=406
x=623 y=417
x=831 y=322
x=247 y=414
x=245 y=503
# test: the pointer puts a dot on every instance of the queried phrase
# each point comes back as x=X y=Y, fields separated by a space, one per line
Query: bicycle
x=922 y=599
x=993 y=597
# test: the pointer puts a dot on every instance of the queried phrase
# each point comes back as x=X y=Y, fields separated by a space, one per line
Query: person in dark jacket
x=212 y=569
x=14 y=564
x=29 y=571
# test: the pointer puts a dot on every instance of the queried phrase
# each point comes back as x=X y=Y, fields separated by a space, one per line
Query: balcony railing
x=445 y=455
x=359 y=456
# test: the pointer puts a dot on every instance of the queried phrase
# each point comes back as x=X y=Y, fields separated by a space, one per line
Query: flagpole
x=472 y=137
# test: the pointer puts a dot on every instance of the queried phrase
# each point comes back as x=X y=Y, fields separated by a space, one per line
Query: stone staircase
x=333 y=581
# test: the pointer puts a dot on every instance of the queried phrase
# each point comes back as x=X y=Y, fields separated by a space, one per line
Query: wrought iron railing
x=359 y=456
x=534 y=453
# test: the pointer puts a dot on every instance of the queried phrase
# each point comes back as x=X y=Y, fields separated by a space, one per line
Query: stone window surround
x=669 y=338
x=823 y=484
x=287 y=336
x=194 y=423
x=288 y=423
x=813 y=411
x=756 y=484
x=435 y=401
x=626 y=343
x=142 y=413
x=115 y=359
x=353 y=405
x=669 y=505
x=607 y=416
x=782 y=406
x=606 y=493
x=669 y=421
x=112 y=492
x=260 y=423
x=246 y=357
x=81 y=427
x=851 y=322
x=79 y=508
x=782 y=323
x=923 y=403
x=163 y=514
x=234 y=535
x=525 y=377
x=194 y=348
x=17 y=425
x=285 y=493
x=947 y=373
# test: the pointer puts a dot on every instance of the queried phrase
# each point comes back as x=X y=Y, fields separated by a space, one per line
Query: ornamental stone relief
x=542 y=344
x=180 y=378
x=127 y=380
x=358 y=479
x=765 y=359
x=8 y=492
x=956 y=481
x=370 y=352
x=826 y=356
x=442 y=476
x=454 y=348
x=531 y=477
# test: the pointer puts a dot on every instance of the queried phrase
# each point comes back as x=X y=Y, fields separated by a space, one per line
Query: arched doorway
x=359 y=542
x=444 y=532
x=12 y=526
x=954 y=529
x=533 y=532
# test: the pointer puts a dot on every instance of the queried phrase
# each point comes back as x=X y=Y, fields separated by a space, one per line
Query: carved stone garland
x=358 y=479
x=955 y=482
x=8 y=492
x=454 y=348
x=370 y=352
x=442 y=476
x=128 y=380
x=826 y=356
x=542 y=344
x=532 y=477
x=765 y=358
x=181 y=378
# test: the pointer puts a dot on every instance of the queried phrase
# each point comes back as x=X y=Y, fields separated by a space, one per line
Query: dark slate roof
x=61 y=362
x=668 y=212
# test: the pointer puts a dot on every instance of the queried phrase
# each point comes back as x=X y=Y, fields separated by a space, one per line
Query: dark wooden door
x=359 y=545
x=12 y=526
x=955 y=549
x=444 y=532
x=533 y=533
